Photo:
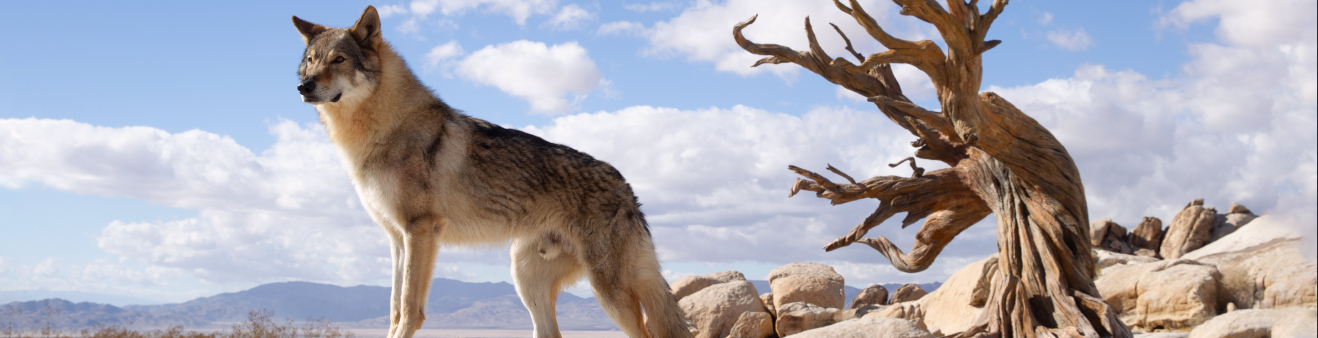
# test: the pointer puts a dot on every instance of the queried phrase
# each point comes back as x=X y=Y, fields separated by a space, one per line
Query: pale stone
x=868 y=328
x=799 y=317
x=871 y=295
x=1264 y=266
x=807 y=282
x=907 y=293
x=1107 y=259
x=716 y=309
x=1165 y=295
x=1289 y=323
x=1190 y=230
x=753 y=325
x=691 y=284
x=1147 y=236
x=951 y=307
x=767 y=299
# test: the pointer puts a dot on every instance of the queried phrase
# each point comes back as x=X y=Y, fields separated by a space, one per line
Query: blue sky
x=158 y=150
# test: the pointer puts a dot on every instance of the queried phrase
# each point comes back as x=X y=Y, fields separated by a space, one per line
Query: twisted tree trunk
x=1002 y=162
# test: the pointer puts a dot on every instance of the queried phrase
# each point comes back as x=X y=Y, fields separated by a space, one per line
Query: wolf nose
x=306 y=87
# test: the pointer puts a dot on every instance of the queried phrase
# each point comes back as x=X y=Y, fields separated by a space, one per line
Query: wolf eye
x=338 y=59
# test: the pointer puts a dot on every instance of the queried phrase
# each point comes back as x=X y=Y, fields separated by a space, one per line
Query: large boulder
x=799 y=317
x=871 y=295
x=868 y=328
x=767 y=299
x=1110 y=236
x=691 y=284
x=1147 y=236
x=1236 y=218
x=954 y=307
x=716 y=309
x=1290 y=323
x=811 y=283
x=1190 y=230
x=1107 y=259
x=908 y=293
x=753 y=325
x=1171 y=295
x=1264 y=266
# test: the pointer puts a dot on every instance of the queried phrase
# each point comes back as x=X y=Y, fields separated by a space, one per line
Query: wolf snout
x=306 y=87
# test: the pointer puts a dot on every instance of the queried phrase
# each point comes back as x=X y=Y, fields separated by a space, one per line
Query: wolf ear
x=367 y=29
x=308 y=30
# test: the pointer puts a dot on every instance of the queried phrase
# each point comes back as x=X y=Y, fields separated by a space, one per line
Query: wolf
x=431 y=176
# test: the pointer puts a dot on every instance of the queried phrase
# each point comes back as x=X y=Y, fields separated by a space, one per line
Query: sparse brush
x=259 y=324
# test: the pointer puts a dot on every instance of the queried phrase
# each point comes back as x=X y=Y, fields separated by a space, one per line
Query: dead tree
x=1002 y=163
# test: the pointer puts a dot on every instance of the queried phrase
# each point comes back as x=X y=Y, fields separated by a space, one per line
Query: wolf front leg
x=420 y=246
x=397 y=256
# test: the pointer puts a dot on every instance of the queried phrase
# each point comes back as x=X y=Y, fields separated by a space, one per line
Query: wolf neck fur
x=355 y=123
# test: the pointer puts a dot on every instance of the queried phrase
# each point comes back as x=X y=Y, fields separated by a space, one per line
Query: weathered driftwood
x=1002 y=163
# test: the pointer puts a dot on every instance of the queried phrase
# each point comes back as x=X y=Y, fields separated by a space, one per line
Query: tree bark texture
x=1002 y=162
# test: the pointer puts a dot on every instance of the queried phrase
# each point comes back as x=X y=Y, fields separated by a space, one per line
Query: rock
x=1239 y=209
x=1109 y=236
x=799 y=317
x=1147 y=253
x=871 y=295
x=951 y=307
x=1264 y=267
x=1147 y=236
x=868 y=328
x=716 y=309
x=908 y=293
x=767 y=299
x=1107 y=259
x=859 y=312
x=1230 y=223
x=1190 y=230
x=1163 y=335
x=753 y=325
x=691 y=284
x=1165 y=295
x=807 y=282
x=1287 y=323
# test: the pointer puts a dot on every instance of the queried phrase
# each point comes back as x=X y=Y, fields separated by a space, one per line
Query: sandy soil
x=438 y=333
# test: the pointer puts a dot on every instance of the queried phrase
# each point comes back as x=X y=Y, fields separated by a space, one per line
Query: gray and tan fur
x=432 y=176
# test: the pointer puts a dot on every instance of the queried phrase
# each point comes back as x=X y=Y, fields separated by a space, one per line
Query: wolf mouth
x=336 y=98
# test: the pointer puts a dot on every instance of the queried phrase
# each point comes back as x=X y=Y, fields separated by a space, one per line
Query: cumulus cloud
x=570 y=17
x=444 y=54
x=552 y=78
x=780 y=22
x=519 y=10
x=289 y=212
x=621 y=28
x=1075 y=41
x=653 y=6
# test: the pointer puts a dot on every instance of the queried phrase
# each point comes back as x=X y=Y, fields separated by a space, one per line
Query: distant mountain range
x=452 y=304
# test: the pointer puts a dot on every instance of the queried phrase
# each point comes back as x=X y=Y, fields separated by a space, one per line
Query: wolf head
x=340 y=65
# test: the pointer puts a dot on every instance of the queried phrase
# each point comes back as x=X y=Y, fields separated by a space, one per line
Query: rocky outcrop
x=1147 y=236
x=717 y=308
x=953 y=308
x=871 y=295
x=799 y=317
x=1260 y=324
x=1110 y=236
x=807 y=282
x=1263 y=267
x=1107 y=259
x=1165 y=295
x=868 y=328
x=908 y=293
x=1236 y=218
x=753 y=325
x=767 y=299
x=1190 y=230
x=691 y=284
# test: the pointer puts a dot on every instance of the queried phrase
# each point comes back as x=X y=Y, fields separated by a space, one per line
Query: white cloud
x=519 y=10
x=653 y=6
x=543 y=75
x=1254 y=24
x=444 y=54
x=391 y=10
x=570 y=17
x=1046 y=19
x=288 y=213
x=780 y=22
x=621 y=28
x=1074 y=41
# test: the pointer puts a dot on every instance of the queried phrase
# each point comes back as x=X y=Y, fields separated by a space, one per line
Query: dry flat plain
x=437 y=333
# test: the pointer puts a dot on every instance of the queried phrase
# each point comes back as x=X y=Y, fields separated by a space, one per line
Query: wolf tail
x=664 y=318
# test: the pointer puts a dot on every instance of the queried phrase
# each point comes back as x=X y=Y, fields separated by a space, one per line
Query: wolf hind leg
x=541 y=267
